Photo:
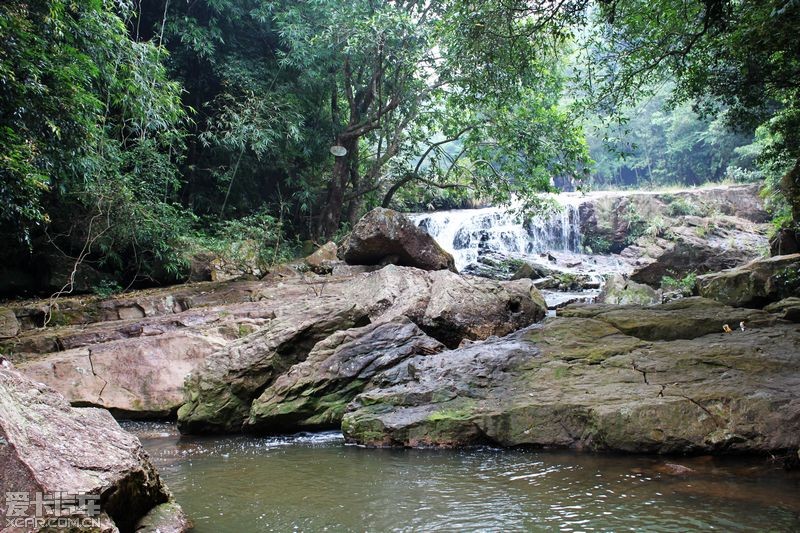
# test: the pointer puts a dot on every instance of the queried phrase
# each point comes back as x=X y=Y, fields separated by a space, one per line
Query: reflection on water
x=316 y=483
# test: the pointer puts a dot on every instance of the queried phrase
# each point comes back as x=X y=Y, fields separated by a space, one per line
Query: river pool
x=314 y=482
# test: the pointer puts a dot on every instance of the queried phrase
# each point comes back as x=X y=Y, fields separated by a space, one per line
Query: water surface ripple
x=313 y=482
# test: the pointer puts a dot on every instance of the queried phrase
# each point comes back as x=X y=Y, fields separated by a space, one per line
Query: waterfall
x=470 y=233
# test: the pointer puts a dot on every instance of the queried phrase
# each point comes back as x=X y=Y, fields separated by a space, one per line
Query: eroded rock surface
x=47 y=446
x=588 y=382
x=385 y=236
x=315 y=393
x=755 y=284
x=219 y=393
x=135 y=362
x=695 y=245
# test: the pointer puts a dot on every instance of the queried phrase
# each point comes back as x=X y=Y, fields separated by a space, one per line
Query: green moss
x=245 y=330
x=60 y=318
x=451 y=414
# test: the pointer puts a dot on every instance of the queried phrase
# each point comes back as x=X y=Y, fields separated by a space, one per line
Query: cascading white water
x=470 y=233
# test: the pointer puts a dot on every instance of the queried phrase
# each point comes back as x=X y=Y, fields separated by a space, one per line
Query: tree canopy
x=130 y=130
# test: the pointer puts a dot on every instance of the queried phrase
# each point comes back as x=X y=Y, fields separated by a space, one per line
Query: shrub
x=683 y=285
x=682 y=207
x=597 y=244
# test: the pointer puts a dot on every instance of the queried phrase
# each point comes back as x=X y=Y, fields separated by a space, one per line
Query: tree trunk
x=331 y=214
x=354 y=205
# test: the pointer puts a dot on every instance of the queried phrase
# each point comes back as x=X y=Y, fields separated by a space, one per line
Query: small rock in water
x=673 y=469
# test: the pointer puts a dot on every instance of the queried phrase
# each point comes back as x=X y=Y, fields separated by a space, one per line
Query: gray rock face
x=787 y=309
x=582 y=382
x=9 y=327
x=755 y=284
x=314 y=394
x=134 y=358
x=695 y=245
x=219 y=394
x=47 y=446
x=675 y=234
x=620 y=291
x=323 y=260
x=243 y=380
x=385 y=236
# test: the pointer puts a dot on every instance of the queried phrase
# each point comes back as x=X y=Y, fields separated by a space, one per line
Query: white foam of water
x=469 y=233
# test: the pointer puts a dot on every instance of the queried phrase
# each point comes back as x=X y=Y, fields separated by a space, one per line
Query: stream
x=477 y=238
x=314 y=482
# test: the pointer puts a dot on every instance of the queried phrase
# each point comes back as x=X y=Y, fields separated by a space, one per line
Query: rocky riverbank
x=50 y=449
x=662 y=379
x=403 y=356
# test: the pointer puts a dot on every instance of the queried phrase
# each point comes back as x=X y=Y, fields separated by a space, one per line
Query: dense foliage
x=135 y=134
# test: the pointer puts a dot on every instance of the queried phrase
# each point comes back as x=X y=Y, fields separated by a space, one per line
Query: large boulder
x=581 y=382
x=48 y=447
x=449 y=307
x=314 y=394
x=386 y=236
x=9 y=325
x=323 y=259
x=131 y=354
x=219 y=394
x=695 y=245
x=755 y=284
x=620 y=291
x=140 y=377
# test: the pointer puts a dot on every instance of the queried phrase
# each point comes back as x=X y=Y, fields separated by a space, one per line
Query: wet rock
x=531 y=271
x=164 y=518
x=582 y=383
x=673 y=469
x=755 y=284
x=324 y=259
x=620 y=291
x=566 y=281
x=492 y=265
x=219 y=394
x=314 y=394
x=47 y=446
x=382 y=233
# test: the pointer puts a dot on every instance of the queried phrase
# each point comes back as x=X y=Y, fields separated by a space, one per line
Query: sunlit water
x=316 y=483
